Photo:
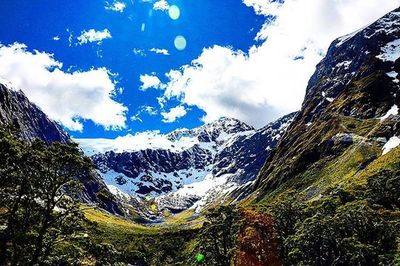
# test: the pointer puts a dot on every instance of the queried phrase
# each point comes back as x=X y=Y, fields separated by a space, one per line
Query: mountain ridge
x=225 y=153
x=351 y=98
x=18 y=111
x=31 y=123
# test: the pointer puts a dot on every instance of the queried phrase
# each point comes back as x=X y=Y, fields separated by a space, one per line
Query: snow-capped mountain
x=352 y=99
x=187 y=167
x=373 y=49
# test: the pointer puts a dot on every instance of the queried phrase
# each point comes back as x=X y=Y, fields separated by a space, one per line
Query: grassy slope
x=156 y=243
x=352 y=166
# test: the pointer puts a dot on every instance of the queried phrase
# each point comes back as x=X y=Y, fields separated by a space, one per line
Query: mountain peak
x=228 y=125
x=17 y=110
x=388 y=25
x=212 y=131
x=189 y=167
x=352 y=97
x=372 y=53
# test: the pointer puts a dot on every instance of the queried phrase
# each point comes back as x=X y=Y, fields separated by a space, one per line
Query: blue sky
x=202 y=23
x=105 y=69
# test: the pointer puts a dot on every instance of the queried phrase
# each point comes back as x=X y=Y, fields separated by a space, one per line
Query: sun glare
x=174 y=12
x=180 y=43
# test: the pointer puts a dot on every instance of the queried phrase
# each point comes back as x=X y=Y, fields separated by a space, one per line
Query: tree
x=38 y=185
x=287 y=211
x=351 y=234
x=219 y=235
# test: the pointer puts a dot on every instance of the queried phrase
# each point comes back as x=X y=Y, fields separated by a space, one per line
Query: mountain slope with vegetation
x=331 y=185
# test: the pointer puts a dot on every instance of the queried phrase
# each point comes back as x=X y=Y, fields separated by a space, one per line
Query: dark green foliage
x=219 y=235
x=287 y=211
x=35 y=212
x=165 y=248
x=105 y=254
x=354 y=235
x=347 y=230
x=384 y=188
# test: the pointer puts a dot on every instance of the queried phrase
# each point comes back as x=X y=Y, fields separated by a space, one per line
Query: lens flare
x=180 y=43
x=174 y=12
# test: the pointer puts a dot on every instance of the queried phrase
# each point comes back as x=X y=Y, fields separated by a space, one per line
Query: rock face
x=193 y=167
x=352 y=98
x=17 y=111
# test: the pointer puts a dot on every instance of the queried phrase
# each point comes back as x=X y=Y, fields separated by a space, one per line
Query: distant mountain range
x=180 y=170
x=187 y=168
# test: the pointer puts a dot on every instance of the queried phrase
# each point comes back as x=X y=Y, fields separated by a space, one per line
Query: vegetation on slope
x=347 y=214
x=42 y=223
x=360 y=228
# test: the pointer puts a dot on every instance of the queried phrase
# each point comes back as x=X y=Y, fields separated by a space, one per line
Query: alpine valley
x=186 y=169
x=320 y=186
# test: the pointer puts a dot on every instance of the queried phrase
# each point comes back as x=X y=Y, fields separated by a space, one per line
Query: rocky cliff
x=350 y=108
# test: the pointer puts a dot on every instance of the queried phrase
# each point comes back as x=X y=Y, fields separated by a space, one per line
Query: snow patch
x=344 y=64
x=329 y=99
x=127 y=188
x=117 y=192
x=391 y=51
x=391 y=144
x=347 y=37
x=393 y=75
x=204 y=190
x=393 y=111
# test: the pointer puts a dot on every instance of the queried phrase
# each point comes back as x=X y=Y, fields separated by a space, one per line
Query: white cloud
x=150 y=81
x=136 y=142
x=149 y=110
x=264 y=7
x=116 y=6
x=65 y=97
x=56 y=38
x=70 y=37
x=267 y=82
x=136 y=117
x=138 y=52
x=94 y=36
x=173 y=114
x=159 y=51
x=161 y=5
x=161 y=101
